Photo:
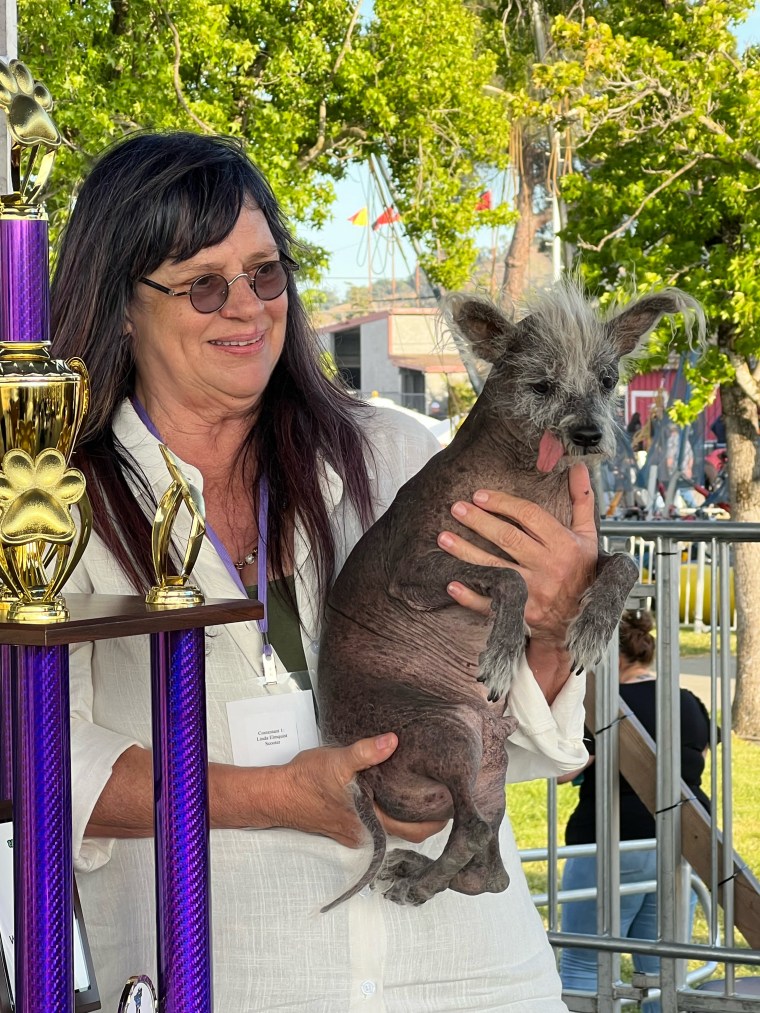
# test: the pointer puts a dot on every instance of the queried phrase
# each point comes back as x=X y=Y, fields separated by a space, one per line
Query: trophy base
x=21 y=611
x=7 y=599
x=181 y=596
x=138 y=996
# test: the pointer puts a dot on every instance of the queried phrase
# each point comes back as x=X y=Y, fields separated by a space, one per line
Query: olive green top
x=284 y=627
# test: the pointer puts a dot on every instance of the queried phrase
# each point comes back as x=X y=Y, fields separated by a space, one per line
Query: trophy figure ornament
x=174 y=590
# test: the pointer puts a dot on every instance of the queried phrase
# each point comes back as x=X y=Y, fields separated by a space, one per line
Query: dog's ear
x=482 y=323
x=629 y=328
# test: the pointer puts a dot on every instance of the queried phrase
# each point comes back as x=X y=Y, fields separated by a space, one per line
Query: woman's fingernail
x=445 y=540
x=452 y=589
x=480 y=497
x=384 y=741
x=459 y=510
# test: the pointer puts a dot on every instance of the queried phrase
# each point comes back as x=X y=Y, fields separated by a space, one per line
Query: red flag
x=387 y=217
x=484 y=201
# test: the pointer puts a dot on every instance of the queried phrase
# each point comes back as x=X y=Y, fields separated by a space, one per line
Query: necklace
x=249 y=558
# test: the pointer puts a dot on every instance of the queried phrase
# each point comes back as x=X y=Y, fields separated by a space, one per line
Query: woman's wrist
x=550 y=662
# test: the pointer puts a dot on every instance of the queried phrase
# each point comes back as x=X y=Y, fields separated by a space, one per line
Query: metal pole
x=42 y=856
x=180 y=768
x=668 y=725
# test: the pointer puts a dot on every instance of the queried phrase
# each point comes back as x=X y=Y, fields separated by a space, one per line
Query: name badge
x=272 y=729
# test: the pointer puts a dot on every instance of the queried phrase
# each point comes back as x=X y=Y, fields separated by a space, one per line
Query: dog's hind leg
x=409 y=878
x=601 y=608
x=485 y=872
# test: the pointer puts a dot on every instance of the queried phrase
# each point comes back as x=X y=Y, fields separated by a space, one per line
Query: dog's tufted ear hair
x=627 y=329
x=481 y=323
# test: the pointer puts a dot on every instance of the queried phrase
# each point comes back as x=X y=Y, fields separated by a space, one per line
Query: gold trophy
x=43 y=401
x=173 y=590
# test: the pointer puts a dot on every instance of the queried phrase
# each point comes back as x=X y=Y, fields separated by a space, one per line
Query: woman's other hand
x=557 y=563
x=313 y=793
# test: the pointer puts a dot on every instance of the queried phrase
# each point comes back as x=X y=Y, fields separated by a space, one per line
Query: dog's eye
x=542 y=388
x=609 y=382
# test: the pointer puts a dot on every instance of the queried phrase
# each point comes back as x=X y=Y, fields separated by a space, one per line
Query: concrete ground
x=695 y=675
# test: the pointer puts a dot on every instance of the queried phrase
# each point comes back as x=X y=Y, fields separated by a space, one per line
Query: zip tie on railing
x=683 y=801
x=736 y=873
x=606 y=728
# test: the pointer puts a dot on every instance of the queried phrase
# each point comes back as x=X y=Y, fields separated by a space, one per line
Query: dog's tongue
x=550 y=450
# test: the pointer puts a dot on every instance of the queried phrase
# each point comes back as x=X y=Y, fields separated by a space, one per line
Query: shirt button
x=368 y=987
x=314 y=647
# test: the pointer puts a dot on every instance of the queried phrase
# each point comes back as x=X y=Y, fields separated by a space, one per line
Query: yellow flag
x=360 y=218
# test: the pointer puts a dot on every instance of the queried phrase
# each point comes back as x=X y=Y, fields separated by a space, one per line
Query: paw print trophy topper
x=27 y=104
x=173 y=590
x=43 y=401
x=37 y=529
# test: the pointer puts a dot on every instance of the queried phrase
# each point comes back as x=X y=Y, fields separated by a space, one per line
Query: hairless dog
x=398 y=654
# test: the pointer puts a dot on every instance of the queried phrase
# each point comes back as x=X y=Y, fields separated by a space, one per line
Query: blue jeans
x=638 y=918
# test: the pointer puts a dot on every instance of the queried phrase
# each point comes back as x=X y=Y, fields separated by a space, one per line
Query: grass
x=527 y=808
x=692 y=643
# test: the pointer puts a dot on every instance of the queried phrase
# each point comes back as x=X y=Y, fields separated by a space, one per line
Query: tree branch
x=632 y=218
x=177 y=81
x=716 y=128
x=321 y=144
x=744 y=377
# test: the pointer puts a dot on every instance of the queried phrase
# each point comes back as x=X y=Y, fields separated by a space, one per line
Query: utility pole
x=465 y=352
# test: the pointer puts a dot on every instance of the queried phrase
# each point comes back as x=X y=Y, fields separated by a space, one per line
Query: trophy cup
x=43 y=403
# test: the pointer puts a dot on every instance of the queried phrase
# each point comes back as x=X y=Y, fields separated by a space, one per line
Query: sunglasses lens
x=208 y=294
x=270 y=280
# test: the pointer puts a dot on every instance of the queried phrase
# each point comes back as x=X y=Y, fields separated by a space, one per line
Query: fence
x=723 y=879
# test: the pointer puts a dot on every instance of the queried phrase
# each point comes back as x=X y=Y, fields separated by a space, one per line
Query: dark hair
x=635 y=639
x=155 y=196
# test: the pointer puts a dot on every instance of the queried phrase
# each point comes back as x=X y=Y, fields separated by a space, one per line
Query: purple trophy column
x=24 y=281
x=180 y=771
x=42 y=832
x=7 y=677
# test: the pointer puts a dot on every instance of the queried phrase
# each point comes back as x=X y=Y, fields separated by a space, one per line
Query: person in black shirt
x=638 y=912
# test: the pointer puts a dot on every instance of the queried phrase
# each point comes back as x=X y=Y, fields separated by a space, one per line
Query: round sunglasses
x=210 y=292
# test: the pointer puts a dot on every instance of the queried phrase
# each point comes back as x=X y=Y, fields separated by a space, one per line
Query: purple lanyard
x=261 y=557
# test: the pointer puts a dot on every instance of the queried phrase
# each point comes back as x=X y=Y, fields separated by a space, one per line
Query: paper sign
x=272 y=729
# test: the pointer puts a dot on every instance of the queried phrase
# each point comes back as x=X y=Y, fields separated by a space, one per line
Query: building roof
x=436 y=362
x=400 y=311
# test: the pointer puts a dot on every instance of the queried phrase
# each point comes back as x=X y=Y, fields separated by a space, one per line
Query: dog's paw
x=588 y=637
x=401 y=877
x=497 y=669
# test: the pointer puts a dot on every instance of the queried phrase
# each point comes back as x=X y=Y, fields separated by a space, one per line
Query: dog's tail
x=366 y=812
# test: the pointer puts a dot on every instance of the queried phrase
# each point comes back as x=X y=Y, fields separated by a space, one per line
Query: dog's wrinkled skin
x=397 y=654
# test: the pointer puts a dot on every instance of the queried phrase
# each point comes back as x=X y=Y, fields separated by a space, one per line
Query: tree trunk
x=740 y=414
x=517 y=260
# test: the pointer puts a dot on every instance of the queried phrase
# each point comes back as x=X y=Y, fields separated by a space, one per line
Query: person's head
x=636 y=642
x=171 y=208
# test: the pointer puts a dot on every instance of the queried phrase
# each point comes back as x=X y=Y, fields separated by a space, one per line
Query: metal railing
x=666 y=540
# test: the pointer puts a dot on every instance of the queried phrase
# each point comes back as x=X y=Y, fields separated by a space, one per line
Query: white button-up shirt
x=273 y=950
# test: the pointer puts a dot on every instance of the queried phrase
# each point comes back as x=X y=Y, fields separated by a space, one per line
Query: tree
x=667 y=191
x=309 y=85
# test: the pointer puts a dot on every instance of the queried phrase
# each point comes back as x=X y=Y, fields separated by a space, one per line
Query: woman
x=638 y=912
x=175 y=284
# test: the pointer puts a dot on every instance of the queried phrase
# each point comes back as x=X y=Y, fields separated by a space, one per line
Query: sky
x=352 y=250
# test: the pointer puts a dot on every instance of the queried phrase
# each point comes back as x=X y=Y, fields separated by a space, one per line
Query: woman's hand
x=313 y=793
x=557 y=563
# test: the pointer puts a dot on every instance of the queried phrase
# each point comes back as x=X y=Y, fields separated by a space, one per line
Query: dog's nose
x=586 y=436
